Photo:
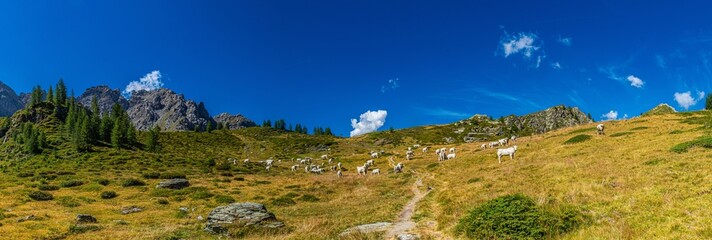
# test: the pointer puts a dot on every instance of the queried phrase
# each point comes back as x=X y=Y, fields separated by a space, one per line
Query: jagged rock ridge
x=234 y=121
x=662 y=108
x=105 y=96
x=9 y=101
x=167 y=109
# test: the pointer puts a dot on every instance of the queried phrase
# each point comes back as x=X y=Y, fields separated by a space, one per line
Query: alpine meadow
x=394 y=120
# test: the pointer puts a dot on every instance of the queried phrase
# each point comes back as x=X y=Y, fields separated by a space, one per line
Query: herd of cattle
x=326 y=163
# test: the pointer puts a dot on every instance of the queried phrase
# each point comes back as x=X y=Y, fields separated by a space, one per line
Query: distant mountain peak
x=9 y=101
x=662 y=108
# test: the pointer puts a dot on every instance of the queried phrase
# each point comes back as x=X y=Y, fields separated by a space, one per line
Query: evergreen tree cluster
x=281 y=124
x=31 y=138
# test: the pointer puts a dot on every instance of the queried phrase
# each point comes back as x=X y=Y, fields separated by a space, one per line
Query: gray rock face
x=177 y=183
x=105 y=96
x=550 y=119
x=85 y=218
x=234 y=121
x=168 y=110
x=245 y=214
x=9 y=101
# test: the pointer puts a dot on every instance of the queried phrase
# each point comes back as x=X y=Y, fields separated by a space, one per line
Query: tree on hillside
x=327 y=131
x=708 y=102
x=50 y=95
x=589 y=116
x=36 y=96
x=61 y=94
x=209 y=128
x=152 y=144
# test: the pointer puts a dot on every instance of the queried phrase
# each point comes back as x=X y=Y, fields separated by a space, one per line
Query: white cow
x=506 y=151
x=452 y=150
x=374 y=155
x=425 y=149
x=600 y=129
x=484 y=146
x=362 y=169
x=339 y=174
x=398 y=168
x=294 y=168
x=370 y=163
x=451 y=156
x=376 y=171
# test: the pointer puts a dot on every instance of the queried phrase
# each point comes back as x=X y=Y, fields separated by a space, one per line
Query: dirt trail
x=405 y=222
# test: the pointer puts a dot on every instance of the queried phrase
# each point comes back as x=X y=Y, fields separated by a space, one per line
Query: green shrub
x=162 y=201
x=25 y=174
x=103 y=182
x=676 y=132
x=621 y=134
x=283 y=201
x=48 y=187
x=224 y=199
x=578 y=139
x=132 y=182
x=517 y=217
x=108 y=194
x=308 y=198
x=71 y=183
x=705 y=142
x=474 y=180
x=41 y=196
x=639 y=128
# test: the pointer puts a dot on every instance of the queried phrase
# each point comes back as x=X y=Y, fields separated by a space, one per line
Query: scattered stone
x=85 y=218
x=184 y=209
x=27 y=218
x=176 y=183
x=200 y=218
x=407 y=236
x=367 y=228
x=246 y=214
x=130 y=209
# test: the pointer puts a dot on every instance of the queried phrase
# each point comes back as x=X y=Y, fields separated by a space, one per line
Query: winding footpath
x=405 y=221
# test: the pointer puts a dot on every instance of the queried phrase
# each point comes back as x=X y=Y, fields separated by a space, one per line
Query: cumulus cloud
x=685 y=99
x=566 y=41
x=635 y=81
x=522 y=43
x=391 y=85
x=151 y=81
x=369 y=121
x=612 y=115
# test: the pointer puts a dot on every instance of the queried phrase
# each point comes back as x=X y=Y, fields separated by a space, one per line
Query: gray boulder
x=246 y=214
x=234 y=121
x=130 y=209
x=176 y=183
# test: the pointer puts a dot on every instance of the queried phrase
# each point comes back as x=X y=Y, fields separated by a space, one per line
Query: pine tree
x=130 y=133
x=36 y=96
x=50 y=95
x=708 y=102
x=327 y=131
x=152 y=144
x=61 y=94
x=209 y=128
x=95 y=106
x=81 y=134
x=116 y=133
x=105 y=127
x=589 y=116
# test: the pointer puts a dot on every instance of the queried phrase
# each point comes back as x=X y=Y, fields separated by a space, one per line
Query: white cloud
x=150 y=81
x=391 y=85
x=612 y=115
x=635 y=81
x=523 y=43
x=556 y=65
x=685 y=99
x=565 y=41
x=369 y=121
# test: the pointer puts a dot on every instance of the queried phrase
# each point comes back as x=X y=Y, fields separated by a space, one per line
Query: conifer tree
x=209 y=128
x=61 y=94
x=50 y=95
x=708 y=102
x=152 y=144
x=327 y=131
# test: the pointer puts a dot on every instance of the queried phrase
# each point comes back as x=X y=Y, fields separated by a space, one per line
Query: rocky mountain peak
x=9 y=101
x=234 y=121
x=662 y=108
x=167 y=109
x=105 y=96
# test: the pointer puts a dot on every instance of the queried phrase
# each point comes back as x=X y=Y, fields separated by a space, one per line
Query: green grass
x=618 y=134
x=41 y=196
x=704 y=142
x=638 y=128
x=578 y=139
x=583 y=130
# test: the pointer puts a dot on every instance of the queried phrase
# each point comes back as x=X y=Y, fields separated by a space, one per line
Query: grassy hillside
x=646 y=178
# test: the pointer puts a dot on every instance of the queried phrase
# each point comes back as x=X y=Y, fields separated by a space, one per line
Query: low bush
x=48 y=187
x=41 y=196
x=108 y=194
x=71 y=183
x=518 y=217
x=132 y=182
x=578 y=139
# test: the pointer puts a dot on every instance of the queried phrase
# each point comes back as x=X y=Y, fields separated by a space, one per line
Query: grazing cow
x=599 y=129
x=506 y=151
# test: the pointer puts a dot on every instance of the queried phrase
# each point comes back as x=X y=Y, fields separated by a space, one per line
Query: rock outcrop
x=177 y=183
x=9 y=101
x=105 y=97
x=234 y=121
x=239 y=215
x=168 y=110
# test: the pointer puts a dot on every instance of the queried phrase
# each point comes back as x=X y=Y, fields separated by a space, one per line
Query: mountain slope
x=105 y=96
x=9 y=101
x=663 y=108
x=234 y=121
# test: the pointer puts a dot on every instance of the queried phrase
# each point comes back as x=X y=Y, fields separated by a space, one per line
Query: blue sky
x=327 y=62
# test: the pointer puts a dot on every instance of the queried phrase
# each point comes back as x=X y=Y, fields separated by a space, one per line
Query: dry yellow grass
x=632 y=186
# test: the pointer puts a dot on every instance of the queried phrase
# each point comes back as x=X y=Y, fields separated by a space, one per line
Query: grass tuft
x=578 y=139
